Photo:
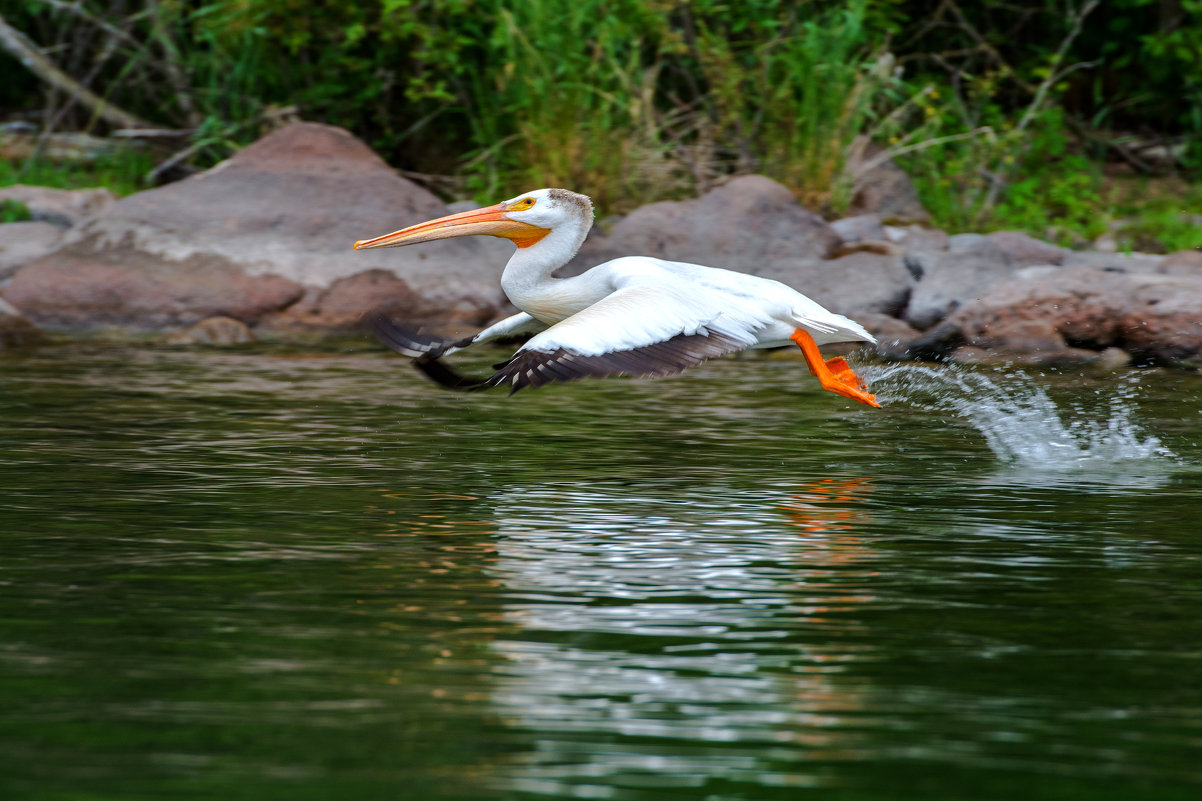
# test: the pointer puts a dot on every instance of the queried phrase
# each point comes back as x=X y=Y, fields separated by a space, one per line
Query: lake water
x=286 y=574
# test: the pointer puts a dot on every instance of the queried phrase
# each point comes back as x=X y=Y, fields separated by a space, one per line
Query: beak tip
x=357 y=244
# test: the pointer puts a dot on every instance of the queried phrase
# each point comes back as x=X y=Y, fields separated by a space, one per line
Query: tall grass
x=590 y=95
x=571 y=101
x=792 y=95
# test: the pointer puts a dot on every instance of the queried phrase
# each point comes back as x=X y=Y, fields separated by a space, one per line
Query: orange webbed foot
x=848 y=391
x=834 y=374
x=839 y=367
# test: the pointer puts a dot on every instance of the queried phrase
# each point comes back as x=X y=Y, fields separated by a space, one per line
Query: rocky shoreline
x=261 y=244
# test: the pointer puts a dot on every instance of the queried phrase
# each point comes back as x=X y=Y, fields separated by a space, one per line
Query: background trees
x=998 y=110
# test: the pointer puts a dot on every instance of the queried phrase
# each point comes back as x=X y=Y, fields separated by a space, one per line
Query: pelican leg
x=835 y=376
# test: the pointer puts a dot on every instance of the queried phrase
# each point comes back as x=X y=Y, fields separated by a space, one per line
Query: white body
x=634 y=301
x=630 y=316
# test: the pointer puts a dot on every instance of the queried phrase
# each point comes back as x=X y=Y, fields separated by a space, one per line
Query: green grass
x=123 y=172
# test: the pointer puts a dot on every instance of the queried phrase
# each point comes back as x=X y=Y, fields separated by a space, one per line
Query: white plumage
x=631 y=316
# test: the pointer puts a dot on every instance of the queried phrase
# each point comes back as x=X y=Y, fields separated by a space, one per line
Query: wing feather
x=642 y=329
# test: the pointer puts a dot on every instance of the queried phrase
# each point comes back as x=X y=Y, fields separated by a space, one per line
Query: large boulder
x=264 y=237
x=750 y=224
x=1045 y=314
x=21 y=242
x=1165 y=324
x=1024 y=250
x=853 y=284
x=947 y=279
x=1185 y=262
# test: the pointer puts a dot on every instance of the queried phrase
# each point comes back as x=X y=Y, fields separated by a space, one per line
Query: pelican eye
x=526 y=202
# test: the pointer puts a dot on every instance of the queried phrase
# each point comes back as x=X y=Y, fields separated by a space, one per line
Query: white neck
x=530 y=268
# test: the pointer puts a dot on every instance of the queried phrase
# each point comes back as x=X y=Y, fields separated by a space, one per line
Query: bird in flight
x=635 y=315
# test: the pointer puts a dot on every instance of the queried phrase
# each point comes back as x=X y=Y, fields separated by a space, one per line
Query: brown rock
x=885 y=189
x=1026 y=251
x=751 y=224
x=893 y=336
x=1165 y=325
x=255 y=234
x=1041 y=312
x=918 y=238
x=1113 y=358
x=15 y=330
x=861 y=228
x=1125 y=263
x=343 y=303
x=1185 y=262
x=73 y=289
x=25 y=241
x=1060 y=357
x=61 y=207
x=853 y=284
x=214 y=331
x=948 y=279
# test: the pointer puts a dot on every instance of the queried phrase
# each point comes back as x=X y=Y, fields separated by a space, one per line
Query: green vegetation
x=1007 y=115
x=122 y=171
x=14 y=211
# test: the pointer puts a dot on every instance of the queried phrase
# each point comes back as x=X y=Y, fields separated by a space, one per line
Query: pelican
x=634 y=315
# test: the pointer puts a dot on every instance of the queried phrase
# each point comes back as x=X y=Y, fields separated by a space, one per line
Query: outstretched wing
x=426 y=350
x=642 y=329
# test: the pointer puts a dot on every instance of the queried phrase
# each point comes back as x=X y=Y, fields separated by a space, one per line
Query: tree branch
x=18 y=45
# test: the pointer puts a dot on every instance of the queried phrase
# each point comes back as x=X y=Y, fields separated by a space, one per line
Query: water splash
x=1020 y=423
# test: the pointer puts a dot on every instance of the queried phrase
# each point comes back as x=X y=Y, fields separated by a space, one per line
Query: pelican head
x=524 y=220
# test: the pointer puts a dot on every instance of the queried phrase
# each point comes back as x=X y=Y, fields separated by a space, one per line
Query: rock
x=70 y=289
x=884 y=190
x=1166 y=324
x=1113 y=358
x=751 y=224
x=343 y=303
x=949 y=279
x=862 y=228
x=214 y=331
x=1026 y=251
x=853 y=284
x=256 y=234
x=15 y=330
x=25 y=241
x=918 y=238
x=971 y=243
x=1185 y=262
x=893 y=336
x=61 y=207
x=1126 y=263
x=1045 y=312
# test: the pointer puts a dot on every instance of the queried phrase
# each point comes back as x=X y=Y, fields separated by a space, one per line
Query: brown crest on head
x=581 y=202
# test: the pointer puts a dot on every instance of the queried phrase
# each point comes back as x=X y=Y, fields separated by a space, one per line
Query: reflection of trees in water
x=685 y=641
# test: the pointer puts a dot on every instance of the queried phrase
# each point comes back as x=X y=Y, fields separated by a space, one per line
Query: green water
x=311 y=575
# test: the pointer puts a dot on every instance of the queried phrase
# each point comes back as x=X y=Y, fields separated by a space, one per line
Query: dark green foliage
x=638 y=100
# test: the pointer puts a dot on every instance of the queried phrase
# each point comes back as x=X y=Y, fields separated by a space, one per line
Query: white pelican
x=630 y=316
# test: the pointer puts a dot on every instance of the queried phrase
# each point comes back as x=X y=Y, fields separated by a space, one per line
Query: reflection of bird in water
x=631 y=316
x=830 y=515
x=636 y=623
x=829 y=505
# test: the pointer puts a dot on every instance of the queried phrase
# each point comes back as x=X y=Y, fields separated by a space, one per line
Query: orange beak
x=489 y=221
